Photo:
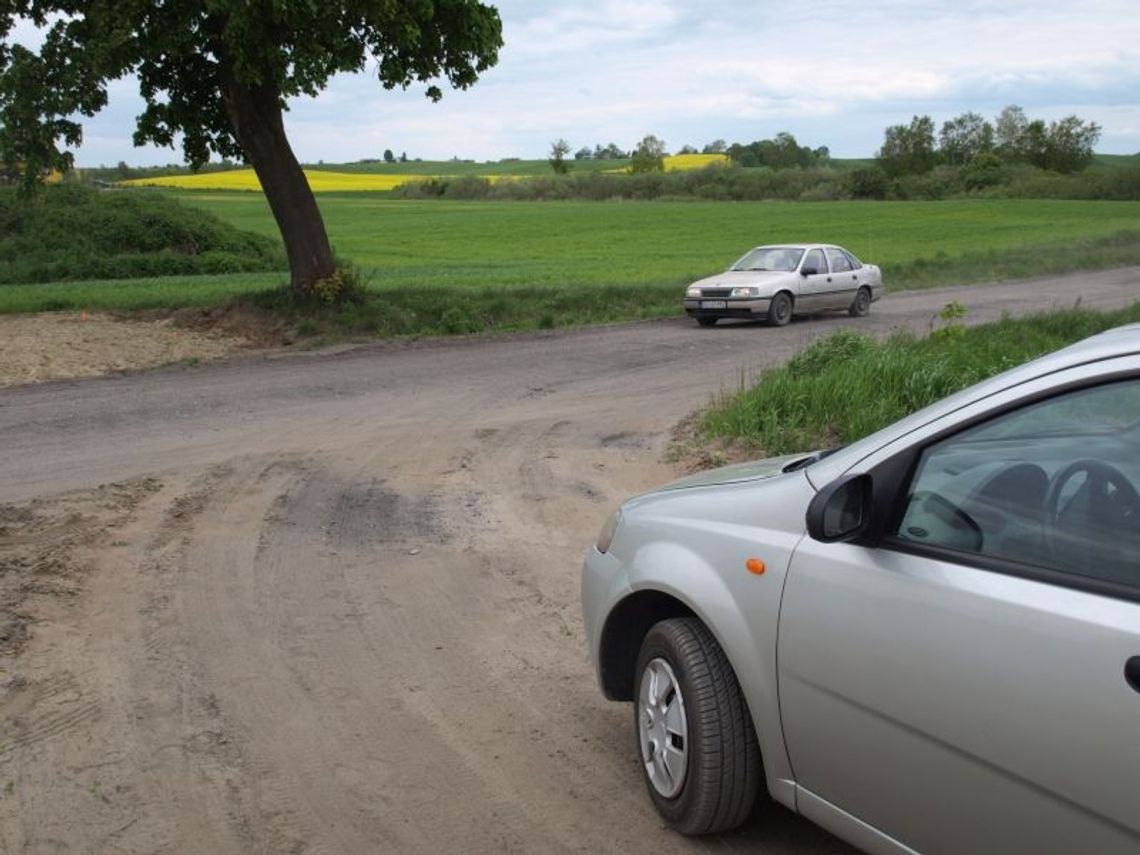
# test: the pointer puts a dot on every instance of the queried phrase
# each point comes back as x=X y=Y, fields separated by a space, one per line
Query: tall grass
x=848 y=385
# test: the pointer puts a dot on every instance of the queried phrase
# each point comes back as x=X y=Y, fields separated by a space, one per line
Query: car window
x=856 y=264
x=815 y=259
x=1052 y=485
x=838 y=260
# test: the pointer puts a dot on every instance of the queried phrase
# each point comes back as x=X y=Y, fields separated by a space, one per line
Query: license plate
x=714 y=304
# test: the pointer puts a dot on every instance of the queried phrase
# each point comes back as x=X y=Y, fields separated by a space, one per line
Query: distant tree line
x=973 y=143
x=610 y=151
x=647 y=156
x=782 y=152
x=1013 y=155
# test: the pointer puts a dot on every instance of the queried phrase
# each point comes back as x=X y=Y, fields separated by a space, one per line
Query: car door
x=843 y=282
x=815 y=281
x=970 y=681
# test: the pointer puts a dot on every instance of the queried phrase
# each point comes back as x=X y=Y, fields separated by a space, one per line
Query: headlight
x=693 y=291
x=606 y=536
x=745 y=292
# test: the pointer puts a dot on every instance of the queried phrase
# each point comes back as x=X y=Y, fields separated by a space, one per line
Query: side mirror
x=808 y=271
x=841 y=511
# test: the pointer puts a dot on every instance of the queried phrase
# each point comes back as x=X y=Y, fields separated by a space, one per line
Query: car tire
x=780 y=309
x=861 y=305
x=706 y=322
x=698 y=749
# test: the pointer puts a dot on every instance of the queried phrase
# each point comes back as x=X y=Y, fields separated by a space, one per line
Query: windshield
x=770 y=258
x=1108 y=410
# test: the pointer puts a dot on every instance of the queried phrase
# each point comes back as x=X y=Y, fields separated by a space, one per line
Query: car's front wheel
x=698 y=748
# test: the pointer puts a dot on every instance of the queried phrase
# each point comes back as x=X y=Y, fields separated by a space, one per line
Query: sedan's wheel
x=861 y=305
x=694 y=732
x=780 y=309
x=706 y=322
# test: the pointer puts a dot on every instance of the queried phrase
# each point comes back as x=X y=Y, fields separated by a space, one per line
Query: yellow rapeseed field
x=677 y=162
x=323 y=181
x=245 y=179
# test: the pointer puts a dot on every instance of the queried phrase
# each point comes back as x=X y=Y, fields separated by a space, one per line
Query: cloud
x=833 y=73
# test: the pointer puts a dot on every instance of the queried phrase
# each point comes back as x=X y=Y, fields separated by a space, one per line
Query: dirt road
x=327 y=603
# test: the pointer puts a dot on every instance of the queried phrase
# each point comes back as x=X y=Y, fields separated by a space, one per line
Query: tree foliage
x=649 y=156
x=971 y=143
x=1068 y=145
x=609 y=152
x=38 y=97
x=557 y=160
x=215 y=75
x=782 y=152
x=963 y=138
x=1009 y=128
x=908 y=149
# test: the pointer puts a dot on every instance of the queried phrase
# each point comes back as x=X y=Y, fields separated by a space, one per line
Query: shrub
x=74 y=232
x=867 y=183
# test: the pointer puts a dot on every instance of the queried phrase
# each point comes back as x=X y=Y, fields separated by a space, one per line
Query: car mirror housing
x=808 y=271
x=841 y=511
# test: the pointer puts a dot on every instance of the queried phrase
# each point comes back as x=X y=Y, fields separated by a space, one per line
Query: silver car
x=772 y=283
x=926 y=641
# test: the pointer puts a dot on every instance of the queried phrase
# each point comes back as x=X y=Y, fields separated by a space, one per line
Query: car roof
x=1116 y=342
x=804 y=246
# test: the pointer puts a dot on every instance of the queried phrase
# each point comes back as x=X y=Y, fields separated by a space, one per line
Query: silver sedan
x=926 y=641
x=772 y=283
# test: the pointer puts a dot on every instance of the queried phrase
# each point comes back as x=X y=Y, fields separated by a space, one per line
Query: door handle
x=1132 y=672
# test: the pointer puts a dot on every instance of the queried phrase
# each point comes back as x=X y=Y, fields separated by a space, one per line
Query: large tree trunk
x=255 y=114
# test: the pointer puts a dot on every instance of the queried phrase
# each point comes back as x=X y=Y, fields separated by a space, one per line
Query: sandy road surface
x=327 y=603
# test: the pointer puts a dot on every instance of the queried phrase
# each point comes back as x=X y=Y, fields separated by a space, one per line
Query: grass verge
x=433 y=311
x=849 y=385
x=128 y=295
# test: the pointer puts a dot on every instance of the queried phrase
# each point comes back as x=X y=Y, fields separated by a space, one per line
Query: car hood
x=745 y=278
x=753 y=470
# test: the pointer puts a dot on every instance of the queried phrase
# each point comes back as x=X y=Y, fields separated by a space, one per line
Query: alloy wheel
x=663 y=728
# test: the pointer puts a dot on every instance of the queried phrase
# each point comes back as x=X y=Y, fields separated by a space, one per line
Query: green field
x=1116 y=160
x=568 y=260
x=411 y=243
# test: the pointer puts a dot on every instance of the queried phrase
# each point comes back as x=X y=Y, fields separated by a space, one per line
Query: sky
x=833 y=73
